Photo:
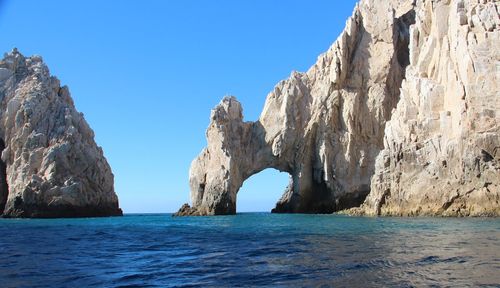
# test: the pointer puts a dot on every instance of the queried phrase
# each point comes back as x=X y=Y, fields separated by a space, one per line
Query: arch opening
x=261 y=191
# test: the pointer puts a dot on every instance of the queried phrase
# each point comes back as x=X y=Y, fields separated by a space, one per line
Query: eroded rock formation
x=50 y=164
x=439 y=152
x=442 y=145
x=324 y=127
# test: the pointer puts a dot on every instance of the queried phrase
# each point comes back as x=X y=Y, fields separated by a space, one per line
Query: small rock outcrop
x=50 y=165
x=399 y=117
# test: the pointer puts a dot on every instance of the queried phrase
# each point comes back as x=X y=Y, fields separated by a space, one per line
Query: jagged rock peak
x=400 y=117
x=50 y=164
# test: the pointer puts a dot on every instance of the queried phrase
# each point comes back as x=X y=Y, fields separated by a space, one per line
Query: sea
x=250 y=250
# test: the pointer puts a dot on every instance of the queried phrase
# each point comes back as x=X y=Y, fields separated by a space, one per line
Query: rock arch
x=435 y=134
x=325 y=126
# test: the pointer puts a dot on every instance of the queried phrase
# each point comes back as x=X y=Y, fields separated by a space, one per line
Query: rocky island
x=50 y=164
x=401 y=116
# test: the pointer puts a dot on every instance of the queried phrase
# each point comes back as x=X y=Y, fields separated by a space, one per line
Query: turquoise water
x=250 y=249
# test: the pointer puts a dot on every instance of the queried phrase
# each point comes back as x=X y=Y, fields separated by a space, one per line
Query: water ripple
x=255 y=249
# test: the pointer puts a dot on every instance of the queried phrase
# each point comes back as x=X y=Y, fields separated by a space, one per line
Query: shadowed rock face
x=324 y=127
x=400 y=116
x=50 y=164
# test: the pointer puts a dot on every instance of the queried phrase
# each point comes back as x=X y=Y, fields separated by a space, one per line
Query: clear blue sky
x=147 y=73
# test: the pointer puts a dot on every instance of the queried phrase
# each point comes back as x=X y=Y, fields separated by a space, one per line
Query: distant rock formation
x=50 y=164
x=429 y=69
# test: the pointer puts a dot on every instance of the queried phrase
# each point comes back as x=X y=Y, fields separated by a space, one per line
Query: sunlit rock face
x=324 y=127
x=442 y=144
x=401 y=114
x=50 y=164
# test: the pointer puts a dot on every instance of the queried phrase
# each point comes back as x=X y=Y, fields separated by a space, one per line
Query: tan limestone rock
x=442 y=145
x=401 y=114
x=50 y=165
x=324 y=127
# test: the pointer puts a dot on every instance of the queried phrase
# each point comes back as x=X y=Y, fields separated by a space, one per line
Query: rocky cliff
x=399 y=117
x=442 y=145
x=50 y=165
